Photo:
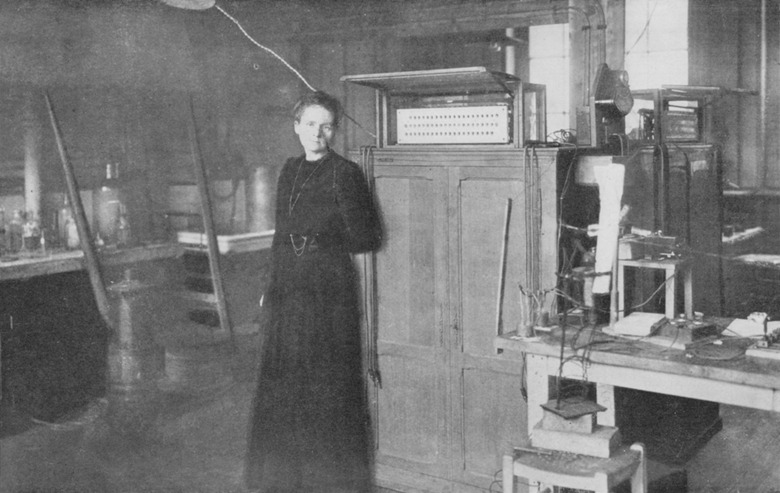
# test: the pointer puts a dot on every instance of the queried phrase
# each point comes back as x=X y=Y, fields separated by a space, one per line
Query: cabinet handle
x=384 y=159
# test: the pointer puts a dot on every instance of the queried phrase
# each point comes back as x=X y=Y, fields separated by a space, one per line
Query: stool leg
x=688 y=278
x=605 y=395
x=670 y=292
x=509 y=474
x=639 y=478
x=601 y=482
x=621 y=294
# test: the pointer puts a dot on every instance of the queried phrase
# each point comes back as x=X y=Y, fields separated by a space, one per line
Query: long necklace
x=291 y=202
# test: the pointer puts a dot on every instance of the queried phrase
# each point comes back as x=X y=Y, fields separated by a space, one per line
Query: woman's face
x=315 y=130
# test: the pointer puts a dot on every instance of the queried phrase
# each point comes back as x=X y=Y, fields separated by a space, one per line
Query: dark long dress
x=309 y=430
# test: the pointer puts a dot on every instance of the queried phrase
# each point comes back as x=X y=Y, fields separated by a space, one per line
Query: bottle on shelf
x=14 y=232
x=124 y=236
x=71 y=233
x=2 y=232
x=107 y=206
x=42 y=242
x=62 y=222
x=31 y=232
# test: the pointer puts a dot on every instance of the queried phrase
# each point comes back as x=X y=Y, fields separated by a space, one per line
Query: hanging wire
x=286 y=64
x=644 y=29
x=269 y=50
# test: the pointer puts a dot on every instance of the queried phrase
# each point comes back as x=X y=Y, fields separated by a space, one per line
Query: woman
x=309 y=431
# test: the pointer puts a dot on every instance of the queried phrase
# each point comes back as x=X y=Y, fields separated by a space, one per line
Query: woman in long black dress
x=309 y=430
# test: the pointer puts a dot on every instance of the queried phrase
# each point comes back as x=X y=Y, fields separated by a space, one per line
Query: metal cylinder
x=136 y=361
x=259 y=200
x=32 y=160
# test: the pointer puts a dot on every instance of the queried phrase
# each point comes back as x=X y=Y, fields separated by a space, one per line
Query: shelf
x=760 y=193
x=25 y=266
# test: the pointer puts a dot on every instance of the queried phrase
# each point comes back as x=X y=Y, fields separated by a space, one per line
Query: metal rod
x=208 y=224
x=90 y=253
x=502 y=268
x=613 y=292
x=762 y=134
x=510 y=53
x=558 y=381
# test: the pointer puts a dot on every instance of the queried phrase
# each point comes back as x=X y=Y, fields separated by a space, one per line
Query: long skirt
x=309 y=429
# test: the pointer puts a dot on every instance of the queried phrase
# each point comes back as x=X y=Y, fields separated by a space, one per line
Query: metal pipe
x=510 y=53
x=762 y=97
x=602 y=26
x=32 y=162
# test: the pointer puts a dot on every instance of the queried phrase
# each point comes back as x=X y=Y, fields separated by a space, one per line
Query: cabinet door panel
x=410 y=423
x=480 y=215
x=406 y=265
x=411 y=407
x=488 y=407
x=494 y=420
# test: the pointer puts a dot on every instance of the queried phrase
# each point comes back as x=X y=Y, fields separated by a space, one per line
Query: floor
x=190 y=438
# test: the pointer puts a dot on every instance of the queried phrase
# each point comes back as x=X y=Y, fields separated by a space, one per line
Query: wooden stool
x=556 y=468
x=672 y=268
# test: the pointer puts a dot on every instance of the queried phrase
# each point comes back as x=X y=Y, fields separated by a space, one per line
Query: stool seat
x=564 y=469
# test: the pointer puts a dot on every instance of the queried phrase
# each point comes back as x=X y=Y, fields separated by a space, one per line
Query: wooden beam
x=410 y=19
x=85 y=236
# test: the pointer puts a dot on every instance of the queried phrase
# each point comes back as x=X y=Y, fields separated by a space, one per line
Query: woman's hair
x=318 y=98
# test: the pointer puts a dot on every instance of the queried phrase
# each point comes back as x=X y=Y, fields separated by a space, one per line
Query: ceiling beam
x=406 y=19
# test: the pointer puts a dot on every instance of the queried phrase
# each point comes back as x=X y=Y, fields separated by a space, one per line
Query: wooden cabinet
x=448 y=408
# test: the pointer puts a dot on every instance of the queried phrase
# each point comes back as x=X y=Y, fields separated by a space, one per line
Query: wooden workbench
x=610 y=363
x=24 y=266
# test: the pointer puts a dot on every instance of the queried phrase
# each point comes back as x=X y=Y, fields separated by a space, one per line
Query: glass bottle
x=124 y=238
x=107 y=206
x=2 y=232
x=62 y=222
x=31 y=232
x=15 y=232
x=72 y=233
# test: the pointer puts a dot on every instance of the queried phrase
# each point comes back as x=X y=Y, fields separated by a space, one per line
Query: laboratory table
x=31 y=264
x=720 y=374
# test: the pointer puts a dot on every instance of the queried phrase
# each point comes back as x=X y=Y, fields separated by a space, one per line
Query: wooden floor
x=743 y=457
x=195 y=444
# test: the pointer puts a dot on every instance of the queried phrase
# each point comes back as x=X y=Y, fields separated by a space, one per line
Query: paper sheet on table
x=610 y=180
x=741 y=327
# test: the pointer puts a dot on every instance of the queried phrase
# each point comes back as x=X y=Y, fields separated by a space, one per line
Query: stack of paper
x=640 y=324
x=741 y=327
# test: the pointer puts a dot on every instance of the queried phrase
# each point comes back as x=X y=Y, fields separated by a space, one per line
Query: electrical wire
x=269 y=50
x=286 y=64
x=644 y=29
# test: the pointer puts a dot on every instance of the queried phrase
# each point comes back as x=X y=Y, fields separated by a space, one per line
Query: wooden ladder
x=218 y=297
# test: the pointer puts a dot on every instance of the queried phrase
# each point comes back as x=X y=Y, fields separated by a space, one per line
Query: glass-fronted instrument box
x=457 y=106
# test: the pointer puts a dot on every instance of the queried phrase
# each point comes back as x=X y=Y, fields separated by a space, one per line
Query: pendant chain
x=291 y=202
x=299 y=249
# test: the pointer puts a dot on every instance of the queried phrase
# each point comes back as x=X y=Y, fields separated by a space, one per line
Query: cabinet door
x=410 y=409
x=489 y=413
